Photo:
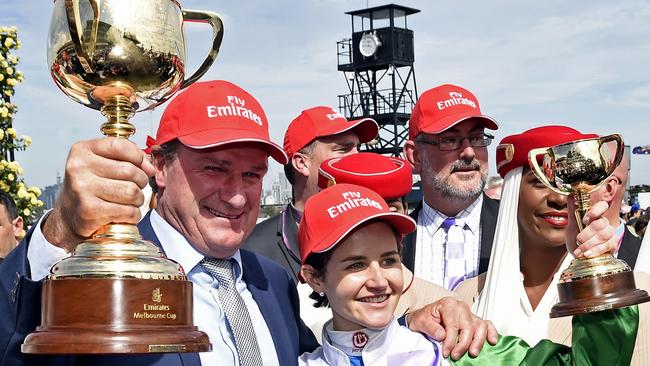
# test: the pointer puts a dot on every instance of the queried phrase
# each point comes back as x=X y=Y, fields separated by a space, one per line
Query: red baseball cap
x=388 y=176
x=324 y=121
x=215 y=113
x=513 y=150
x=330 y=215
x=443 y=107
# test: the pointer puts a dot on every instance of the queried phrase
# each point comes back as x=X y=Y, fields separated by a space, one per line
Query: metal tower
x=378 y=66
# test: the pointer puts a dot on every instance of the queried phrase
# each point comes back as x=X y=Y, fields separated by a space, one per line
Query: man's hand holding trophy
x=117 y=293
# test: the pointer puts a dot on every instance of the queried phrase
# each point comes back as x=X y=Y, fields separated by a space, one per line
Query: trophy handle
x=74 y=26
x=620 y=149
x=537 y=170
x=217 y=36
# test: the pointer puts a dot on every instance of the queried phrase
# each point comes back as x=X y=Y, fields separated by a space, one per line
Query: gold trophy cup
x=578 y=168
x=118 y=293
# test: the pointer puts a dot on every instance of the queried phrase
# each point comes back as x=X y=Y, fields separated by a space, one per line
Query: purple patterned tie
x=454 y=253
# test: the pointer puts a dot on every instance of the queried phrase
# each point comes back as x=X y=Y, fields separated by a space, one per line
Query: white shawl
x=501 y=297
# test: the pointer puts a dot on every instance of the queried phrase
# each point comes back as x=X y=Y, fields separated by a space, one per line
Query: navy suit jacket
x=630 y=247
x=270 y=285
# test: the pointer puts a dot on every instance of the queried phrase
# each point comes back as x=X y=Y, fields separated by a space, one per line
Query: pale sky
x=580 y=63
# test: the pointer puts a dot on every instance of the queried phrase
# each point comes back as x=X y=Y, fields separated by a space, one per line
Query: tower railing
x=383 y=101
x=344 y=51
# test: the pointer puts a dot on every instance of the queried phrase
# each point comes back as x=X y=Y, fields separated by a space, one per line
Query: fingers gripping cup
x=578 y=168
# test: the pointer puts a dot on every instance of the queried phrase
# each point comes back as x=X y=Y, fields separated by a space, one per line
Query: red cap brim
x=402 y=223
x=366 y=129
x=451 y=121
x=220 y=137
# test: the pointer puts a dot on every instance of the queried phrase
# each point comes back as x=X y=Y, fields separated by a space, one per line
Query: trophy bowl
x=578 y=168
x=118 y=293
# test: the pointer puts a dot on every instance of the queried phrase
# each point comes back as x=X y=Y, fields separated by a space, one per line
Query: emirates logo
x=156 y=295
x=455 y=98
x=359 y=339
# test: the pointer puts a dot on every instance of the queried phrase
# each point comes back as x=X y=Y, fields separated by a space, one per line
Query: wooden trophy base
x=593 y=294
x=104 y=315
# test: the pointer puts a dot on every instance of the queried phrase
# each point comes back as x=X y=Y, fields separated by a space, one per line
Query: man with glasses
x=448 y=148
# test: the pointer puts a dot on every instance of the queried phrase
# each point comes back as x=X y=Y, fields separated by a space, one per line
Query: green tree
x=11 y=180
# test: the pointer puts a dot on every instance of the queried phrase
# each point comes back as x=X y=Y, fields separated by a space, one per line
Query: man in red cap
x=317 y=134
x=209 y=159
x=448 y=148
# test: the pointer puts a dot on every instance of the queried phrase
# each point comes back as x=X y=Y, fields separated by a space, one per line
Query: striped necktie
x=454 y=253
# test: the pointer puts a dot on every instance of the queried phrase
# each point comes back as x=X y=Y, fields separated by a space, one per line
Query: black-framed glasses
x=455 y=142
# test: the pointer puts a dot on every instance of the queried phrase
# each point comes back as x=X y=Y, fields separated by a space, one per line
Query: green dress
x=603 y=338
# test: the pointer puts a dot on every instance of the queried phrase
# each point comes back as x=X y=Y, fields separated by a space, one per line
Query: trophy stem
x=117 y=231
x=582 y=202
x=118 y=109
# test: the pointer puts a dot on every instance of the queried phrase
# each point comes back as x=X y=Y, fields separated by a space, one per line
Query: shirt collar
x=353 y=342
x=550 y=296
x=620 y=230
x=471 y=216
x=375 y=347
x=296 y=213
x=620 y=233
x=177 y=248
